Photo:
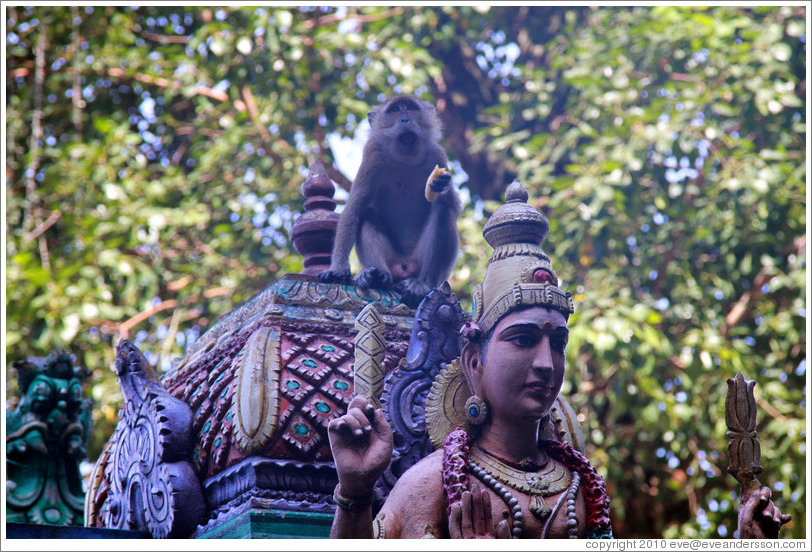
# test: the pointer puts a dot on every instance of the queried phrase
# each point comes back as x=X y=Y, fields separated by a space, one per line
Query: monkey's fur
x=400 y=237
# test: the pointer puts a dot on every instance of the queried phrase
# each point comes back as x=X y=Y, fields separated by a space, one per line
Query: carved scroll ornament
x=150 y=486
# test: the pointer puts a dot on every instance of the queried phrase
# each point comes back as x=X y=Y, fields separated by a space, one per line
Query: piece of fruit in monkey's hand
x=437 y=182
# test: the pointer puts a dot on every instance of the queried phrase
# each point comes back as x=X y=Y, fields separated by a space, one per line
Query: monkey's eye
x=394 y=108
x=412 y=107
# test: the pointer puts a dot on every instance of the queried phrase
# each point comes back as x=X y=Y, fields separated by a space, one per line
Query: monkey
x=402 y=240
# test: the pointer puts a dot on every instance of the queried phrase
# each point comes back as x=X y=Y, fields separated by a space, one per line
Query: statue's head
x=512 y=359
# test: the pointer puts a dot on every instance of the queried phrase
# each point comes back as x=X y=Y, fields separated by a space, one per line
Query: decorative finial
x=314 y=231
x=516 y=193
x=515 y=221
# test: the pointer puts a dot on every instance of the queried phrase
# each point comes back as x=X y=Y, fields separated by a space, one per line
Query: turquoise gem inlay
x=301 y=429
x=292 y=384
x=309 y=363
x=322 y=407
x=341 y=385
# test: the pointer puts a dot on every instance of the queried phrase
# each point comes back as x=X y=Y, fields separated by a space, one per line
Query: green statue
x=46 y=436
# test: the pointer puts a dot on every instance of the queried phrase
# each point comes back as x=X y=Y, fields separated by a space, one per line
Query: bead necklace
x=515 y=508
x=537 y=480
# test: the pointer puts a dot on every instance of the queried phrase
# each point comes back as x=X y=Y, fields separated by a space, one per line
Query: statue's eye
x=523 y=340
x=559 y=342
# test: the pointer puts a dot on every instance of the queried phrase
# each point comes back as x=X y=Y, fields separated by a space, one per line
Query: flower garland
x=456 y=481
x=455 y=469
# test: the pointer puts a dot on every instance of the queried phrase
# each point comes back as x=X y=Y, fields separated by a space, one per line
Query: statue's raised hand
x=361 y=442
x=472 y=517
x=759 y=518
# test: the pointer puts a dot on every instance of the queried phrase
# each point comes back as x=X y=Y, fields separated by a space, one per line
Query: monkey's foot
x=412 y=291
x=373 y=278
x=335 y=277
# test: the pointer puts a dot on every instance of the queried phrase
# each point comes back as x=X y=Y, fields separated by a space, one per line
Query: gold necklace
x=551 y=479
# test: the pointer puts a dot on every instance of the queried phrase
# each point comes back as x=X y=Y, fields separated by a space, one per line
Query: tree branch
x=39 y=230
x=745 y=302
x=119 y=73
x=337 y=176
x=360 y=19
x=76 y=97
x=124 y=327
x=165 y=39
x=253 y=112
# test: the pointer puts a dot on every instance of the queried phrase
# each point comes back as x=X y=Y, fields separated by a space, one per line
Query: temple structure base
x=259 y=522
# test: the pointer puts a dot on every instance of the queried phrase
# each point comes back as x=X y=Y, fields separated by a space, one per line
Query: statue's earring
x=476 y=410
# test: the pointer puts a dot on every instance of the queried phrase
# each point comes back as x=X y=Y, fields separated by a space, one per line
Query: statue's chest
x=555 y=514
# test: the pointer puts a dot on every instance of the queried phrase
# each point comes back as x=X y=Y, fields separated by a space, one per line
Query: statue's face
x=524 y=364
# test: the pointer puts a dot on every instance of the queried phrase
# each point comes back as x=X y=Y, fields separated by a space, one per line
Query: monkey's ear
x=371 y=115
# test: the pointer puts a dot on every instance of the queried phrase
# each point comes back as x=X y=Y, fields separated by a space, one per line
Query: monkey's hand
x=336 y=277
x=441 y=182
x=373 y=278
x=438 y=182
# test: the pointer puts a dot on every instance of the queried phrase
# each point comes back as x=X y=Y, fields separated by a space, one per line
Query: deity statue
x=45 y=442
x=500 y=470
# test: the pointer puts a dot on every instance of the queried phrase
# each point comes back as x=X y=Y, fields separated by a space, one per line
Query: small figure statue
x=45 y=442
x=501 y=473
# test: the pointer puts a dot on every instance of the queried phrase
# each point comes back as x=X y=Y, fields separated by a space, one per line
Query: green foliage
x=665 y=145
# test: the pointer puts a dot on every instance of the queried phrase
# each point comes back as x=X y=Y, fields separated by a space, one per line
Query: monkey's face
x=405 y=121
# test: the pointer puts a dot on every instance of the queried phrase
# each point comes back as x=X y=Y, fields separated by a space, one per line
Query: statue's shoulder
x=428 y=471
x=416 y=505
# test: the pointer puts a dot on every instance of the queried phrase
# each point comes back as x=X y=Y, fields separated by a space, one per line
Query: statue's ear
x=471 y=365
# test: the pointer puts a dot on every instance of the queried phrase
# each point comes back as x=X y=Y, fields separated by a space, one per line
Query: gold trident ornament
x=370 y=348
x=743 y=449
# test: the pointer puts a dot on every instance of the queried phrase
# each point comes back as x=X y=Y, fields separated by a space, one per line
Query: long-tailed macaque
x=401 y=238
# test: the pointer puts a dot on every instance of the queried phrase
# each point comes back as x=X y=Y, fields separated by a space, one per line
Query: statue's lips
x=408 y=138
x=540 y=389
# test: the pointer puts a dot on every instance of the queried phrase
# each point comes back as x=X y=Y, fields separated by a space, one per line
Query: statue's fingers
x=503 y=530
x=748 y=508
x=477 y=511
x=381 y=426
x=359 y=402
x=353 y=426
x=337 y=426
x=466 y=525
x=454 y=521
x=487 y=512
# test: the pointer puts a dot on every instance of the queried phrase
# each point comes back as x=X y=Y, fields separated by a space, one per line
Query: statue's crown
x=519 y=273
